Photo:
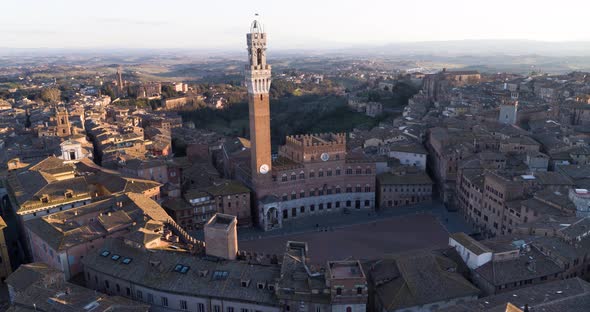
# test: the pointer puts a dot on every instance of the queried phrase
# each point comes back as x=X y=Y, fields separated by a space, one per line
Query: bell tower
x=258 y=83
x=63 y=122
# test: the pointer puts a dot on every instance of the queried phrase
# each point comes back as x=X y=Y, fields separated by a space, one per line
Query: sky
x=299 y=24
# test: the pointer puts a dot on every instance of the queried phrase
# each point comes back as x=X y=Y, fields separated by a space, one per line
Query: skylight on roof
x=115 y=257
x=127 y=260
x=105 y=253
x=220 y=275
x=180 y=268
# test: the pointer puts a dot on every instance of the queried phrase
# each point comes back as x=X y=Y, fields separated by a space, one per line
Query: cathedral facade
x=312 y=174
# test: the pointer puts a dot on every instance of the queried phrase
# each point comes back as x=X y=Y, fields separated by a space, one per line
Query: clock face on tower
x=325 y=156
x=264 y=169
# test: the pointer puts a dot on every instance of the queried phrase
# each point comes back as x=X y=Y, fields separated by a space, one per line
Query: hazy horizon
x=305 y=25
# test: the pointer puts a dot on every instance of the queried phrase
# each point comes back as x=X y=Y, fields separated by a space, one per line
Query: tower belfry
x=258 y=79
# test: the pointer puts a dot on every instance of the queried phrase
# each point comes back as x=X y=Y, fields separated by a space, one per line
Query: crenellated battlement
x=310 y=147
x=317 y=139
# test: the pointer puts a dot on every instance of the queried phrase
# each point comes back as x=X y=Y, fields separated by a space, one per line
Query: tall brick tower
x=62 y=119
x=258 y=83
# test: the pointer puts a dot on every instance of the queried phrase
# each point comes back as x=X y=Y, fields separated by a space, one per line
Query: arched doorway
x=272 y=218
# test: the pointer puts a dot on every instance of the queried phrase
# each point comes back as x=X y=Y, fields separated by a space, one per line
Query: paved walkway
x=451 y=221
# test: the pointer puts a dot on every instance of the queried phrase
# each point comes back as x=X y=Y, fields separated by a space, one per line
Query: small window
x=116 y=257
x=220 y=275
x=183 y=269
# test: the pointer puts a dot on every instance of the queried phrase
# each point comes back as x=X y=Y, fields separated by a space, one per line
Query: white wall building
x=580 y=198
x=473 y=253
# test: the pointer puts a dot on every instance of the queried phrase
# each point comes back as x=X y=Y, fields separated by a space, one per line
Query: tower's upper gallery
x=258 y=72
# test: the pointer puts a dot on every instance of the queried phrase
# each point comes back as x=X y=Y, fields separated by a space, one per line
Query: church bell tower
x=258 y=83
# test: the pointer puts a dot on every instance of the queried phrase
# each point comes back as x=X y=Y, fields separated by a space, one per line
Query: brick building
x=200 y=204
x=403 y=188
x=312 y=174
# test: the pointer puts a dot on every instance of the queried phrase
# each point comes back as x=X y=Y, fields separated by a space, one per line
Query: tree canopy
x=51 y=95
